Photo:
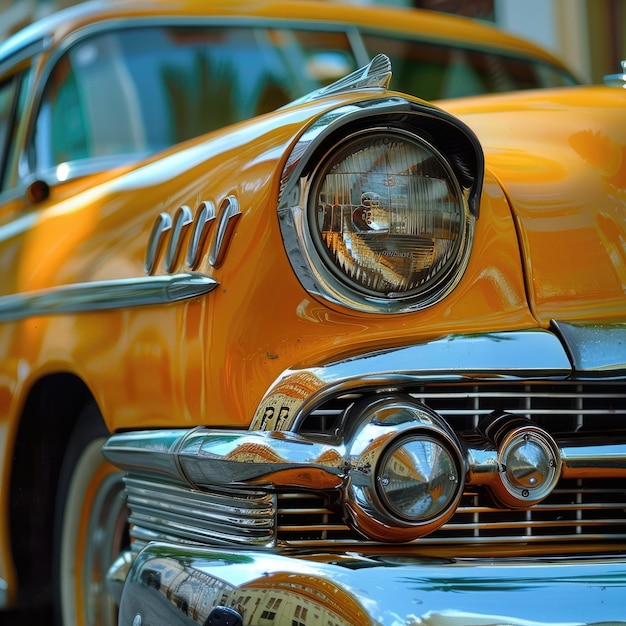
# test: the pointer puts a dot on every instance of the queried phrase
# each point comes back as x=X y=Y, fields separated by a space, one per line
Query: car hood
x=560 y=156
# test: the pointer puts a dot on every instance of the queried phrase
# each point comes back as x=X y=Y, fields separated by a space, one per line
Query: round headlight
x=389 y=221
x=418 y=478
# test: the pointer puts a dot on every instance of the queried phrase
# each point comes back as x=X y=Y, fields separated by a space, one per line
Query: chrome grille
x=561 y=408
x=577 y=510
x=583 y=515
x=584 y=512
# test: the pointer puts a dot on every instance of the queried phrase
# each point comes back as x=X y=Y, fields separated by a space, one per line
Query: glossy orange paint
x=209 y=360
x=564 y=171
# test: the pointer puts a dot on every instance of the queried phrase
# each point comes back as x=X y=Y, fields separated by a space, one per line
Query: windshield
x=132 y=92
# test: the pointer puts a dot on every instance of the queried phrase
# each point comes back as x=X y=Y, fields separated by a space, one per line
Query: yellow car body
x=166 y=293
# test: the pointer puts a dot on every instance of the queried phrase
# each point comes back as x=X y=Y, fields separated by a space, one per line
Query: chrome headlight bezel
x=457 y=155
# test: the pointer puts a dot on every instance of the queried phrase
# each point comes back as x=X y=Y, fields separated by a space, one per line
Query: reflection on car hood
x=560 y=156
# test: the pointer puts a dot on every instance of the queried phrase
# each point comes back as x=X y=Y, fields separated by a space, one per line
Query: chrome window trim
x=14 y=193
x=105 y=295
x=23 y=53
x=112 y=24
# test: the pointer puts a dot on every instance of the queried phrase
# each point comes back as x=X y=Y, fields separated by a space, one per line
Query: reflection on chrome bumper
x=170 y=584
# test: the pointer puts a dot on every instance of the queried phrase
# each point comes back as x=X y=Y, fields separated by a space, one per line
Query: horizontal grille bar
x=559 y=407
x=245 y=518
x=600 y=519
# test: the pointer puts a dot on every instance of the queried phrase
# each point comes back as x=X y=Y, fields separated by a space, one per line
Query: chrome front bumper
x=170 y=584
x=272 y=502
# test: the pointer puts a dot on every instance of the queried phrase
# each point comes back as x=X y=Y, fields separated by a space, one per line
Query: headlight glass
x=387 y=215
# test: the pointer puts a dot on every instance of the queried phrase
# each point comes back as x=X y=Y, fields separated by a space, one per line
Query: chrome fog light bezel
x=384 y=426
x=525 y=481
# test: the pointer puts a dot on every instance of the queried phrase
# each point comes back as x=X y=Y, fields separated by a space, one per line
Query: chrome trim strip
x=105 y=294
x=595 y=348
x=207 y=458
x=22 y=50
x=512 y=355
x=168 y=584
x=584 y=461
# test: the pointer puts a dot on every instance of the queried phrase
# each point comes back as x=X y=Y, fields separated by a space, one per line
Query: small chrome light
x=406 y=470
x=528 y=459
x=530 y=466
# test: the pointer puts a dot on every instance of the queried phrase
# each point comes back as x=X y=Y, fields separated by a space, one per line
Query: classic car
x=302 y=323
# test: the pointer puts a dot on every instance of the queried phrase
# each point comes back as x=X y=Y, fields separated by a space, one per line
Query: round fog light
x=528 y=463
x=530 y=466
x=407 y=470
x=418 y=478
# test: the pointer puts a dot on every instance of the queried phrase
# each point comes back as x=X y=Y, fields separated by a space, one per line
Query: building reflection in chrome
x=280 y=598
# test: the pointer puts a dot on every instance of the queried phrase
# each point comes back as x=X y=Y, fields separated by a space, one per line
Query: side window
x=434 y=72
x=136 y=91
x=8 y=104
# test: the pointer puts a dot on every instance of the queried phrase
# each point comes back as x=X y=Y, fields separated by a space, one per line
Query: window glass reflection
x=435 y=72
x=7 y=100
x=136 y=91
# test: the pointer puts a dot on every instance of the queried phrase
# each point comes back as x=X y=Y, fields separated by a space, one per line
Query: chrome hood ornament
x=375 y=75
x=617 y=80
